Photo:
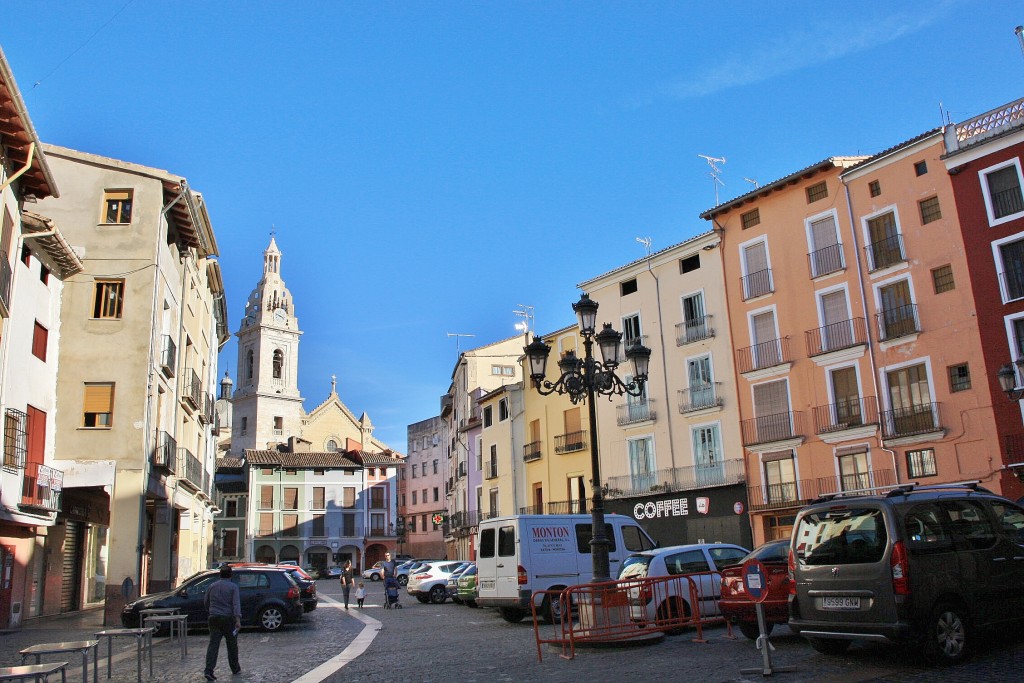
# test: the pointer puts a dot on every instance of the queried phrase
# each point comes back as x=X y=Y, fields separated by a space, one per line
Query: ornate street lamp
x=1008 y=380
x=585 y=379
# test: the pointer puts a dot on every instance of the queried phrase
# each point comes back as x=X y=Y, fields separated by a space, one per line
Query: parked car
x=429 y=582
x=738 y=607
x=452 y=586
x=467 y=586
x=314 y=572
x=375 y=572
x=402 y=571
x=269 y=598
x=332 y=573
x=293 y=563
x=307 y=586
x=928 y=565
x=701 y=559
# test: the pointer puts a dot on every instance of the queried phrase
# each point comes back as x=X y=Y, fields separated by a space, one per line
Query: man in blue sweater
x=224 y=607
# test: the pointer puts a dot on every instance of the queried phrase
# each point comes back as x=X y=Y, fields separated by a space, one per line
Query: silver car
x=429 y=583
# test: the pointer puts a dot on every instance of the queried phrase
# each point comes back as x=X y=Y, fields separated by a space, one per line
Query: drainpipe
x=24 y=169
x=864 y=312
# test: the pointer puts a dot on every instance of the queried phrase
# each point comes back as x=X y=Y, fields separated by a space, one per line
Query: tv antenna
x=646 y=241
x=715 y=172
x=1020 y=37
x=753 y=181
x=458 y=339
x=526 y=313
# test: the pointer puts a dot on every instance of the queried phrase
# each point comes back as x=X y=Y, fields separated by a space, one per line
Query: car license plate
x=487 y=584
x=840 y=603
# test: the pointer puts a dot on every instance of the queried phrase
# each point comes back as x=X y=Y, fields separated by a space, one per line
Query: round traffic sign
x=755 y=580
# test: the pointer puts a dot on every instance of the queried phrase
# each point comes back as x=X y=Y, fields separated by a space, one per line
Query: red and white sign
x=737 y=507
x=703 y=505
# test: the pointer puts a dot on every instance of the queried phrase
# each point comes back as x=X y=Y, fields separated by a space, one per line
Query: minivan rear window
x=506 y=541
x=841 y=536
x=487 y=543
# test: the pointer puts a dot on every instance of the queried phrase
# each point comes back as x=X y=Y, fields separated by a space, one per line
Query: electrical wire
x=87 y=41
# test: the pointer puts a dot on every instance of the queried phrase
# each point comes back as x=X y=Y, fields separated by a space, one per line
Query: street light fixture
x=583 y=379
x=1008 y=380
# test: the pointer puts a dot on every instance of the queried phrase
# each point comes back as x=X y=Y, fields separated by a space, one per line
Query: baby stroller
x=391 y=593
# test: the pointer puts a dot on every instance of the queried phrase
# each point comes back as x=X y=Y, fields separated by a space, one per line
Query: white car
x=429 y=583
x=374 y=573
x=671 y=599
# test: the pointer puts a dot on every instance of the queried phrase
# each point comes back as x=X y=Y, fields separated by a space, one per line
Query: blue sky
x=430 y=166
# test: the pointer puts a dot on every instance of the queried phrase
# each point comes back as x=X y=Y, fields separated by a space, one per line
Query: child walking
x=360 y=595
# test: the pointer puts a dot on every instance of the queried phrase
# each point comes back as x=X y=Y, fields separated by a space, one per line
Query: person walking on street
x=224 y=607
x=347 y=580
x=387 y=567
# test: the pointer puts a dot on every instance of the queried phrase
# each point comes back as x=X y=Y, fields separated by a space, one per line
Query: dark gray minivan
x=925 y=565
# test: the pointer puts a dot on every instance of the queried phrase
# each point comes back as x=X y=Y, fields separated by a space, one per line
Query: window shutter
x=99 y=398
x=291 y=498
x=36 y=435
x=770 y=398
x=266 y=496
x=756 y=257
x=823 y=232
x=764 y=327
x=833 y=307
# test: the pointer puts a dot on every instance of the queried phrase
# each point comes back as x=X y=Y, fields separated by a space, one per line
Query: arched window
x=278 y=363
x=248 y=364
x=332 y=445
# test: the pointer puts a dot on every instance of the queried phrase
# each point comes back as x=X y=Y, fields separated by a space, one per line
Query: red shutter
x=39 y=336
x=36 y=435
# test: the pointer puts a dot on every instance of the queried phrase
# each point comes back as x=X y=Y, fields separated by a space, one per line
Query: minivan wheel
x=828 y=646
x=402 y=580
x=512 y=615
x=551 y=609
x=945 y=640
x=438 y=594
x=270 y=618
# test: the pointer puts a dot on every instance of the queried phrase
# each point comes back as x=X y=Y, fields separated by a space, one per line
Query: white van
x=520 y=554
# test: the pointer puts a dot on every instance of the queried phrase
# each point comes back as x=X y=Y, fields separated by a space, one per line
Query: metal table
x=39 y=673
x=177 y=622
x=158 y=610
x=82 y=646
x=141 y=635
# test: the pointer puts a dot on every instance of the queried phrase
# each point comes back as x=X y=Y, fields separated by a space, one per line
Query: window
x=289 y=525
x=641 y=463
x=695 y=323
x=412 y=524
x=826 y=255
x=332 y=446
x=875 y=188
x=108 y=299
x=377 y=524
x=920 y=168
x=757 y=278
x=1001 y=188
x=291 y=498
x=435 y=466
x=689 y=264
x=348 y=525
x=921 y=463
x=498 y=370
x=585 y=532
x=266 y=524
x=414 y=501
x=707 y=455
x=910 y=398
x=318 y=527
x=98 y=406
x=502 y=412
x=488 y=417
x=779 y=477
x=244 y=427
x=437 y=494
x=267 y=471
x=492 y=502
x=493 y=464
x=414 y=470
x=898 y=316
x=348 y=497
x=249 y=363
x=117 y=206
x=266 y=497
x=1010 y=261
x=44 y=274
x=231 y=508
x=885 y=244
x=15 y=439
x=377 y=497
x=766 y=349
x=278 y=425
x=631 y=333
x=39 y=336
x=230 y=547
x=959 y=377
x=816 y=192
x=278 y=363
x=773 y=419
x=751 y=218
x=930 y=210
x=854 y=470
x=628 y=287
x=942 y=279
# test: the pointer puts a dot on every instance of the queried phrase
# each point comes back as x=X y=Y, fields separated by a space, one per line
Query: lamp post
x=1008 y=380
x=583 y=379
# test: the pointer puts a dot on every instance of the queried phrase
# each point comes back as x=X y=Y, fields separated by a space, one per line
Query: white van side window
x=506 y=541
x=635 y=539
x=584 y=534
x=487 y=543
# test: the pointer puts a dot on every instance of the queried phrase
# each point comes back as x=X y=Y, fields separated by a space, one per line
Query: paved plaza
x=427 y=643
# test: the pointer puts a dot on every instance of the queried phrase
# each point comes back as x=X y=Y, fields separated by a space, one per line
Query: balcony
x=531 y=451
x=462 y=469
x=689 y=478
x=826 y=260
x=1007 y=202
x=900 y=321
x=845 y=334
x=757 y=284
x=700 y=396
x=632 y=413
x=571 y=442
x=447 y=401
x=41 y=487
x=795 y=494
x=885 y=253
x=168 y=355
x=769 y=428
x=191 y=389
x=6 y=277
x=764 y=355
x=561 y=507
x=848 y=414
x=911 y=421
x=164 y=454
x=191 y=471
x=694 y=330
x=491 y=470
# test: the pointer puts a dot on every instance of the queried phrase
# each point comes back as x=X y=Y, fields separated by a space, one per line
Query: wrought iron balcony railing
x=911 y=420
x=837 y=336
x=826 y=260
x=764 y=355
x=41 y=486
x=631 y=413
x=689 y=478
x=168 y=355
x=192 y=388
x=165 y=452
x=191 y=469
x=768 y=428
x=899 y=321
x=572 y=442
x=757 y=284
x=700 y=396
x=847 y=414
x=694 y=330
x=531 y=451
x=885 y=253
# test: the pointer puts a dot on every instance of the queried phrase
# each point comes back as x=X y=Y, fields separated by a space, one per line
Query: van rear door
x=486 y=561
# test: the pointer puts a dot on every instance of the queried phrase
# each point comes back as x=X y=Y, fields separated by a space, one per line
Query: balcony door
x=573 y=431
x=910 y=400
x=702 y=391
x=898 y=317
x=771 y=410
x=780 y=477
x=767 y=351
x=854 y=471
x=577 y=495
x=641 y=464
x=846 y=409
x=707 y=456
x=886 y=249
x=694 y=323
x=755 y=261
x=826 y=253
x=837 y=332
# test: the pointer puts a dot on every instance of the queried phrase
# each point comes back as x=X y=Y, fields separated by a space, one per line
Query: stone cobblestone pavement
x=424 y=643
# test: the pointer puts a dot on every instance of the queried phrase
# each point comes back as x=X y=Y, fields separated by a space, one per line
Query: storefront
x=714 y=515
x=83 y=549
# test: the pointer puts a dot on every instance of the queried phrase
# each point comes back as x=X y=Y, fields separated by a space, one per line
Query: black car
x=269 y=597
x=307 y=586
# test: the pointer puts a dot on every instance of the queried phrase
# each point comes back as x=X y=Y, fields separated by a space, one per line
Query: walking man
x=224 y=609
x=347 y=580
